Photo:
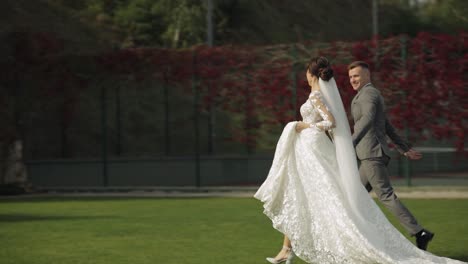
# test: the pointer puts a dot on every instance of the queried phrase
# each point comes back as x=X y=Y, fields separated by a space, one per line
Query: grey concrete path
x=419 y=192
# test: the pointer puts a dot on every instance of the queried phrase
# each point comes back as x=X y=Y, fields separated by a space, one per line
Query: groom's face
x=358 y=77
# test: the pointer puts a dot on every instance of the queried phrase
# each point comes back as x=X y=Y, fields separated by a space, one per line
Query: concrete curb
x=422 y=192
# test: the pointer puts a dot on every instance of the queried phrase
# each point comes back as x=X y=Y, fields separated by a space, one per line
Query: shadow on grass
x=38 y=199
x=461 y=258
x=27 y=217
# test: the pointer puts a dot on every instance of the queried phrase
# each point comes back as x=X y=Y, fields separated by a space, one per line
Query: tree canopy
x=182 y=23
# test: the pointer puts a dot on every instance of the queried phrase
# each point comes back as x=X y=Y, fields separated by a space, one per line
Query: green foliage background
x=182 y=23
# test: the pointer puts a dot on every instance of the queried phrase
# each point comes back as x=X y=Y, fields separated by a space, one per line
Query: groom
x=371 y=129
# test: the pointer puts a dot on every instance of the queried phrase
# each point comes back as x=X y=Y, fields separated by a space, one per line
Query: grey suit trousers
x=374 y=176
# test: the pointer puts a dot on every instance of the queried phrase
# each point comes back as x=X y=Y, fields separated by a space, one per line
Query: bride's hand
x=301 y=126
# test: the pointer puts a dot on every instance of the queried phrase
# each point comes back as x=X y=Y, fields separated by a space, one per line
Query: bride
x=313 y=193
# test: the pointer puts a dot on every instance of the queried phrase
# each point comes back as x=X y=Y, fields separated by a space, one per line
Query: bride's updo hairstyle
x=320 y=67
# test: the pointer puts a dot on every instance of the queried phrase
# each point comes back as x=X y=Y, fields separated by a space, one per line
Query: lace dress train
x=305 y=200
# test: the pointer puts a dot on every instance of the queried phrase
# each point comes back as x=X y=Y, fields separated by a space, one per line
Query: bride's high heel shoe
x=288 y=259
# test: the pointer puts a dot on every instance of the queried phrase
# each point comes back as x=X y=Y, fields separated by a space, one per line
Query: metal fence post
x=167 y=134
x=105 y=180
x=118 y=121
x=406 y=163
x=196 y=119
x=247 y=109
x=294 y=79
x=212 y=122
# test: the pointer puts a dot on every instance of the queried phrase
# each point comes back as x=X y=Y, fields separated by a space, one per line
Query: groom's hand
x=413 y=154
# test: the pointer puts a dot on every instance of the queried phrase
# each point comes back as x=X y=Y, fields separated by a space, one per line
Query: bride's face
x=311 y=79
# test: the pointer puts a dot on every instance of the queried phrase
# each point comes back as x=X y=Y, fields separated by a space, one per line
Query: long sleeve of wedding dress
x=328 y=121
x=307 y=200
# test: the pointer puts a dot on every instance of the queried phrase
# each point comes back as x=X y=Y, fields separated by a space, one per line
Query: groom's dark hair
x=355 y=64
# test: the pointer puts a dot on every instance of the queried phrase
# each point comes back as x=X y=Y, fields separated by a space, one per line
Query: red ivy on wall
x=422 y=79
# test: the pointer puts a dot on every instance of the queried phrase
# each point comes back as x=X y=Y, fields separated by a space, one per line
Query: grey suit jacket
x=371 y=126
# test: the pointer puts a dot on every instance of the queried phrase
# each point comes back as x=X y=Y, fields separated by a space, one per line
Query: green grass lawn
x=174 y=231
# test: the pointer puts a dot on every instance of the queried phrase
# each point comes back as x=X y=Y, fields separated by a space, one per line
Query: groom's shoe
x=423 y=238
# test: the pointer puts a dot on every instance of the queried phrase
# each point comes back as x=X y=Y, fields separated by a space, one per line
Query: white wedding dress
x=307 y=197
